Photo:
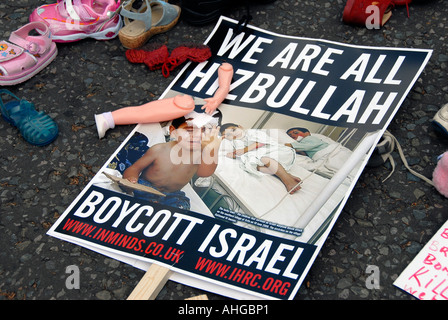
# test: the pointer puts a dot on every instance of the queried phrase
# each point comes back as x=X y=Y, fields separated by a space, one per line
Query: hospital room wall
x=245 y=117
x=280 y=121
x=253 y=118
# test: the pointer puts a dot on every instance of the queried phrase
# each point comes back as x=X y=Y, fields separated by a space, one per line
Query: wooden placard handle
x=152 y=282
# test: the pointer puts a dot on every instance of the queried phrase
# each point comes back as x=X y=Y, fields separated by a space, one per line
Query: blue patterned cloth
x=176 y=199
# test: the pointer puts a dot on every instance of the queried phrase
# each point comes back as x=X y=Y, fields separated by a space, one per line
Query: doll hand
x=211 y=105
x=129 y=176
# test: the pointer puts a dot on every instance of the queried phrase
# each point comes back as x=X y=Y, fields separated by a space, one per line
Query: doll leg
x=154 y=111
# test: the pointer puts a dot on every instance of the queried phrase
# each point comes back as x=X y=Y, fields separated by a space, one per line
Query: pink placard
x=426 y=277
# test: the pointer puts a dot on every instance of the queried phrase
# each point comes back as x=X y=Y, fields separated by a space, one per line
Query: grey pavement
x=383 y=224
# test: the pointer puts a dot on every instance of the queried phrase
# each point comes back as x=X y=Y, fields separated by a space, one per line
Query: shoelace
x=402 y=2
x=394 y=142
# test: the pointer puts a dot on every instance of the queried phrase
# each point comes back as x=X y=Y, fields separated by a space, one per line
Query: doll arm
x=225 y=74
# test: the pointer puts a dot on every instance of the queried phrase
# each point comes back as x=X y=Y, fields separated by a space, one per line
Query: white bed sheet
x=264 y=196
x=327 y=161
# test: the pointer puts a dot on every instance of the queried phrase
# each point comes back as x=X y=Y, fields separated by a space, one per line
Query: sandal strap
x=145 y=15
x=4 y=112
x=21 y=111
x=37 y=126
x=168 y=14
x=74 y=9
x=9 y=51
x=15 y=59
x=83 y=14
x=33 y=44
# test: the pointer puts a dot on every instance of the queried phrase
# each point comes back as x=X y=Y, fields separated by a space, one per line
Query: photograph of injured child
x=261 y=155
x=266 y=177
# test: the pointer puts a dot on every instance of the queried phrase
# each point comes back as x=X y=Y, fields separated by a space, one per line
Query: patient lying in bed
x=260 y=154
x=326 y=155
x=305 y=143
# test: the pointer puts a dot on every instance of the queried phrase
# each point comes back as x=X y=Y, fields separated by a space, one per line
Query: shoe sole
x=439 y=128
x=437 y=122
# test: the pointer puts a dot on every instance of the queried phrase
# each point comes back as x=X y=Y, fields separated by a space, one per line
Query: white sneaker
x=440 y=120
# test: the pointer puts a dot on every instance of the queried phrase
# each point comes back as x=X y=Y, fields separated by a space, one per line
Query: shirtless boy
x=169 y=166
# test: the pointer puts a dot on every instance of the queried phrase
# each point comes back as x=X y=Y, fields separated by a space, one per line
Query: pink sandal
x=25 y=55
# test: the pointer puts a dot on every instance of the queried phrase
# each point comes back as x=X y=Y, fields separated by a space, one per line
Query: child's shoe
x=151 y=18
x=440 y=120
x=382 y=151
x=28 y=51
x=36 y=127
x=73 y=20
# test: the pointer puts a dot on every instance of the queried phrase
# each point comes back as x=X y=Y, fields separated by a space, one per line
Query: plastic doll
x=165 y=109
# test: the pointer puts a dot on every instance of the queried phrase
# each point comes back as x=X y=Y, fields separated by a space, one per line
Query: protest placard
x=315 y=107
x=426 y=277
